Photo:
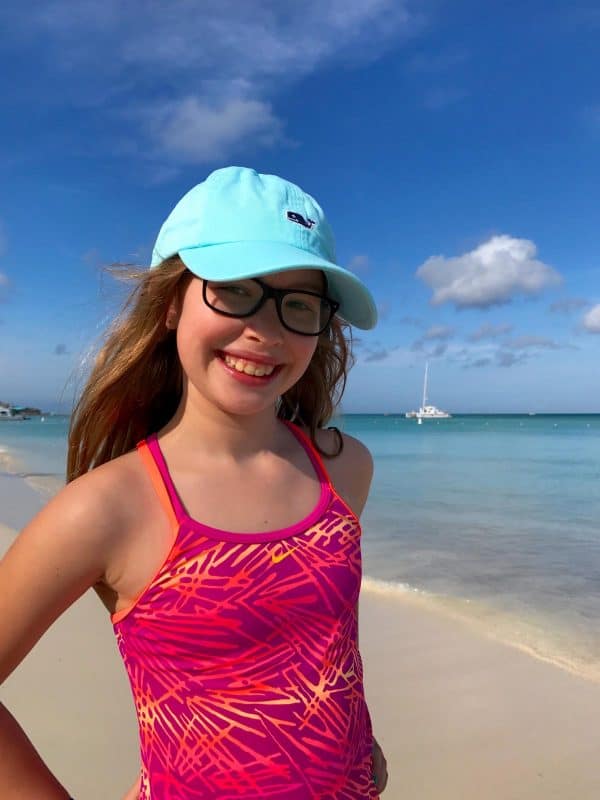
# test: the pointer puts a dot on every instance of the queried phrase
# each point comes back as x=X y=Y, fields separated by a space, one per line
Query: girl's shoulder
x=65 y=549
x=102 y=504
x=122 y=520
x=351 y=471
x=352 y=450
x=112 y=489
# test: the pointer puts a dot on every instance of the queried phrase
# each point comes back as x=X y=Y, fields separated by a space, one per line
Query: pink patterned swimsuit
x=242 y=656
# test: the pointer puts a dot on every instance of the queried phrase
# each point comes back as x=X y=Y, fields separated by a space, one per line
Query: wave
x=531 y=635
x=9 y=463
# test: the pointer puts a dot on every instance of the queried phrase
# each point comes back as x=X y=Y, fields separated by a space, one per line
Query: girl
x=225 y=550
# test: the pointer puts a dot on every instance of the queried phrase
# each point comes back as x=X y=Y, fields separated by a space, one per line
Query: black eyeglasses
x=303 y=312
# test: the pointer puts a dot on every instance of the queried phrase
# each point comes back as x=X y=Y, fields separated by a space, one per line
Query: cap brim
x=248 y=259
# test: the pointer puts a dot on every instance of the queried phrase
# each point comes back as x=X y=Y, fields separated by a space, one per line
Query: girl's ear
x=172 y=317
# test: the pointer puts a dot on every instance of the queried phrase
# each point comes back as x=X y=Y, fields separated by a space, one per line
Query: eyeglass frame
x=269 y=292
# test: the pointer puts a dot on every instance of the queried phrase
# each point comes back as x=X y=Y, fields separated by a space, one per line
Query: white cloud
x=504 y=359
x=532 y=341
x=378 y=353
x=438 y=332
x=478 y=356
x=487 y=331
x=195 y=132
x=410 y=320
x=210 y=70
x=591 y=320
x=485 y=351
x=241 y=39
x=492 y=274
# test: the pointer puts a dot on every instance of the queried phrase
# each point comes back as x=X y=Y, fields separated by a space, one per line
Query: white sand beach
x=460 y=716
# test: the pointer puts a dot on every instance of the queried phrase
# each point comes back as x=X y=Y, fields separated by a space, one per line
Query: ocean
x=493 y=519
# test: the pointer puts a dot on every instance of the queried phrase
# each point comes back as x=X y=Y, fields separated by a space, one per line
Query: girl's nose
x=265 y=325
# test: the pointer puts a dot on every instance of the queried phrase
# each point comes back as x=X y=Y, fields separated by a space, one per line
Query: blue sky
x=454 y=146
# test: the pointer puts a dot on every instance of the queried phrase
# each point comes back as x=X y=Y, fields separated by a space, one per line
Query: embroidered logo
x=294 y=216
x=277 y=557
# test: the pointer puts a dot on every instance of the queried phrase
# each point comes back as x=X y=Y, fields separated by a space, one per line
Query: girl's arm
x=23 y=774
x=56 y=558
x=352 y=474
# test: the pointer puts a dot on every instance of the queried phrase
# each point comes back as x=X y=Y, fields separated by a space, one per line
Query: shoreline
x=483 y=621
x=43 y=483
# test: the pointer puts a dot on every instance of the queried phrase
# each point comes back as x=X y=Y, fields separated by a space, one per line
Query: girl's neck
x=201 y=428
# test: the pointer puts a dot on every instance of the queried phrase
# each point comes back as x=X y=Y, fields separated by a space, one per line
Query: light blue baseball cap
x=239 y=224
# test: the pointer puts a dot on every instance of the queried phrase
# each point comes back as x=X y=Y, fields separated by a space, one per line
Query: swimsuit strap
x=161 y=480
x=312 y=453
x=157 y=468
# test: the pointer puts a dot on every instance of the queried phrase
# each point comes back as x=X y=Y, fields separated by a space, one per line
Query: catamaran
x=427 y=411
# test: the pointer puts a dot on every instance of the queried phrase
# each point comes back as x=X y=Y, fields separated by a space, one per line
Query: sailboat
x=427 y=411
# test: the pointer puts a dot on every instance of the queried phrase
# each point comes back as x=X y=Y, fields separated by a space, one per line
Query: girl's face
x=242 y=366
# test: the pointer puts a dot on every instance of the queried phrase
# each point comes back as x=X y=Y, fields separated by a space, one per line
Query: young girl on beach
x=214 y=514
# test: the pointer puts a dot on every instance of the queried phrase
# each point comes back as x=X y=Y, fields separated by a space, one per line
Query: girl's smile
x=249 y=369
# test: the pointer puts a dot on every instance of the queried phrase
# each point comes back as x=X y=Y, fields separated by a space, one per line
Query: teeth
x=249 y=367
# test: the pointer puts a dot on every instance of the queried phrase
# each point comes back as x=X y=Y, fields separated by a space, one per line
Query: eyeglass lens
x=303 y=312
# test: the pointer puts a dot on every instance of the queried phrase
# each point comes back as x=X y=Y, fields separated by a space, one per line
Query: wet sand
x=464 y=717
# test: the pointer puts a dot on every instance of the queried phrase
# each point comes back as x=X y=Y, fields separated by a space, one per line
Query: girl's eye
x=232 y=296
x=232 y=289
x=303 y=305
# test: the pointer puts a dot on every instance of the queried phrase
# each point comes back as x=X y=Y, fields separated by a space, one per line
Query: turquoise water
x=491 y=518
x=36 y=446
x=496 y=518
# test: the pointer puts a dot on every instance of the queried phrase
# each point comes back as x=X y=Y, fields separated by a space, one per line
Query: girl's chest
x=246 y=503
x=231 y=504
x=216 y=580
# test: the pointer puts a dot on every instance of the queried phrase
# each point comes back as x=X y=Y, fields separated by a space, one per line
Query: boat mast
x=425 y=385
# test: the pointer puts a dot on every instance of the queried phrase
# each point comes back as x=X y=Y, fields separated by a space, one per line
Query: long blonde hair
x=136 y=382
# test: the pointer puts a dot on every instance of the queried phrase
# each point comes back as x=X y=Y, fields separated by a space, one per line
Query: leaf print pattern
x=244 y=666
